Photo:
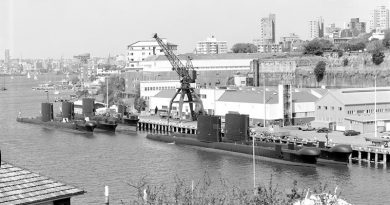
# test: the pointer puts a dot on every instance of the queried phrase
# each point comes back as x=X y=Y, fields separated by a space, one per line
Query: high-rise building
x=316 y=28
x=267 y=27
x=211 y=46
x=332 y=31
x=379 y=18
x=355 y=24
x=267 y=41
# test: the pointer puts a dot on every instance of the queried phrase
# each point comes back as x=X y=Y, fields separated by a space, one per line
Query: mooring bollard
x=106 y=197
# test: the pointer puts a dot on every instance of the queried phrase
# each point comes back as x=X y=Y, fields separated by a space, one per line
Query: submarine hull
x=339 y=154
x=107 y=126
x=73 y=125
x=303 y=156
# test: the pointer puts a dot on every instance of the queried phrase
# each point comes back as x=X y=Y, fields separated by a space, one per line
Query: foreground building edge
x=21 y=186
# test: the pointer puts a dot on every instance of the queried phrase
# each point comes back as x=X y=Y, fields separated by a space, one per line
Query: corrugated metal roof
x=20 y=186
x=249 y=96
x=303 y=97
x=165 y=94
x=357 y=96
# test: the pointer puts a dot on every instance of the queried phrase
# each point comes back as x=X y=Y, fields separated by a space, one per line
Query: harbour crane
x=187 y=75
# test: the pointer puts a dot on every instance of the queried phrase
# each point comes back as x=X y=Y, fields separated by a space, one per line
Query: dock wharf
x=163 y=125
x=361 y=153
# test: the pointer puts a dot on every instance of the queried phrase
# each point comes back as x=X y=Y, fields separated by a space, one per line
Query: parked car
x=351 y=133
x=323 y=130
x=306 y=128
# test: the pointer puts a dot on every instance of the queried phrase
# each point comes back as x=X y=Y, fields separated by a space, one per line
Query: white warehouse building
x=251 y=102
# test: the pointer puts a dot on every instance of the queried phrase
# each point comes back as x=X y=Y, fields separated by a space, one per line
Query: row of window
x=368 y=111
x=160 y=88
x=329 y=119
x=326 y=108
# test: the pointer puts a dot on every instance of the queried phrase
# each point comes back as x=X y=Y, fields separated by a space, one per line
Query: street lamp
x=253 y=145
x=375 y=127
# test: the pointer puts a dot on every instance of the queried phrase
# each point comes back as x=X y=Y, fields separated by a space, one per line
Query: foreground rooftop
x=20 y=186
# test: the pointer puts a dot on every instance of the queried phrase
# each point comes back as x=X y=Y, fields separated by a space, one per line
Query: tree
x=345 y=62
x=317 y=47
x=378 y=57
x=319 y=71
x=340 y=53
x=244 y=48
x=116 y=86
x=375 y=46
x=139 y=104
x=386 y=39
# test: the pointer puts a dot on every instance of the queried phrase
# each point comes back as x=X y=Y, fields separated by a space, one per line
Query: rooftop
x=357 y=96
x=20 y=186
x=249 y=96
x=150 y=43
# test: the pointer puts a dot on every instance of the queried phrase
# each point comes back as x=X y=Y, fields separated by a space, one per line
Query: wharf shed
x=354 y=108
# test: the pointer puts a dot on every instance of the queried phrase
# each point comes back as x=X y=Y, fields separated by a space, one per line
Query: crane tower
x=187 y=75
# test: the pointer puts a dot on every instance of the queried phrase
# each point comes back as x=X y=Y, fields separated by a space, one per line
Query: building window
x=203 y=96
x=132 y=59
x=132 y=65
x=143 y=59
x=326 y=107
x=143 y=53
x=143 y=48
x=340 y=108
x=319 y=107
x=131 y=54
x=332 y=107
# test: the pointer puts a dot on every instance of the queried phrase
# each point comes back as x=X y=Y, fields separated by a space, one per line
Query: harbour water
x=92 y=161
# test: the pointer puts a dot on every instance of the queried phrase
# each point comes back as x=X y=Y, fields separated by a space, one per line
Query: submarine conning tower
x=88 y=107
x=47 y=111
x=68 y=110
x=209 y=128
x=236 y=127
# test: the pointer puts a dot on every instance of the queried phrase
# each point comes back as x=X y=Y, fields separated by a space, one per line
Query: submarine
x=338 y=154
x=105 y=123
x=236 y=139
x=66 y=121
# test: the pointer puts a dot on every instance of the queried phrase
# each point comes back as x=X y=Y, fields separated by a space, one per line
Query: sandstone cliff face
x=360 y=72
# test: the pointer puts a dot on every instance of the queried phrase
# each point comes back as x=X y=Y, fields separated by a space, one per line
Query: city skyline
x=51 y=29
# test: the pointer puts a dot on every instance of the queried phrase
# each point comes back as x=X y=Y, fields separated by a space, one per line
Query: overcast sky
x=55 y=28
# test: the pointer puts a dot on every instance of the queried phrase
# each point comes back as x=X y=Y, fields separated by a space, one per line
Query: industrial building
x=354 y=109
x=249 y=101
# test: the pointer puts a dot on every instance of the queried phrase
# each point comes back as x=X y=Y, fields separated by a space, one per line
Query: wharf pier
x=163 y=125
x=367 y=154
